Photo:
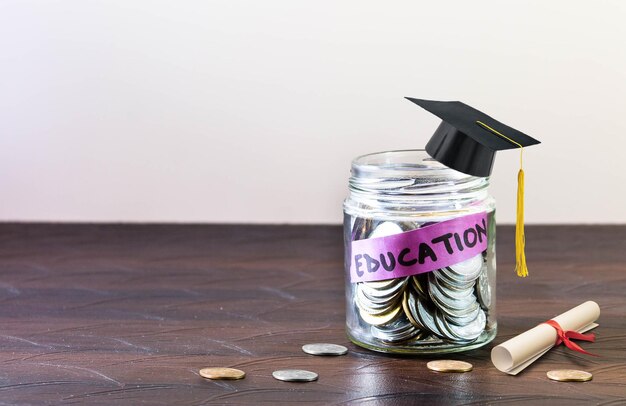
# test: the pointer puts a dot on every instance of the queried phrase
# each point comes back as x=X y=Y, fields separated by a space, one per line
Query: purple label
x=418 y=251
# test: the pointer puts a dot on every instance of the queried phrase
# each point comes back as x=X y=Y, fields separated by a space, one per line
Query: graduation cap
x=467 y=140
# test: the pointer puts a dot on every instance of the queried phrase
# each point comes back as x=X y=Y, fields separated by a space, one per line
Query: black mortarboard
x=467 y=139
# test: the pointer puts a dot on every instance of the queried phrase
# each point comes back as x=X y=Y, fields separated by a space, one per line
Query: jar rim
x=409 y=172
x=410 y=183
x=402 y=162
x=359 y=159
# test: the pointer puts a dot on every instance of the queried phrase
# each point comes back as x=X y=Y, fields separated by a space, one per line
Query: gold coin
x=418 y=286
x=569 y=375
x=222 y=373
x=380 y=319
x=448 y=365
x=407 y=311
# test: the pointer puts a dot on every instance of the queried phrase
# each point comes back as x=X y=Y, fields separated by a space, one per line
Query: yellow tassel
x=520 y=239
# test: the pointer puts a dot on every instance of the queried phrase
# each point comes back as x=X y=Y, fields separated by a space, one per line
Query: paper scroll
x=514 y=355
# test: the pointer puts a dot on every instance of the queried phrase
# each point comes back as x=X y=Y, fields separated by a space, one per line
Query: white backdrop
x=250 y=111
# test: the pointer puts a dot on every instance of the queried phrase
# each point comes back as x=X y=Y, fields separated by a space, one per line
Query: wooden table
x=123 y=314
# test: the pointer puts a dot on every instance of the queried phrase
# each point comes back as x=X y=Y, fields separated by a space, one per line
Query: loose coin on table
x=446 y=365
x=295 y=375
x=222 y=373
x=569 y=375
x=324 y=349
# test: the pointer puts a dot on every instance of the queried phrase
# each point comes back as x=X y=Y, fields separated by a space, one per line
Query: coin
x=450 y=279
x=443 y=327
x=373 y=306
x=459 y=303
x=410 y=309
x=388 y=292
x=222 y=373
x=386 y=229
x=468 y=269
x=569 y=375
x=472 y=330
x=446 y=365
x=324 y=349
x=418 y=282
x=380 y=284
x=380 y=319
x=463 y=320
x=399 y=331
x=426 y=317
x=459 y=282
x=361 y=228
x=483 y=290
x=369 y=300
x=295 y=375
x=379 y=302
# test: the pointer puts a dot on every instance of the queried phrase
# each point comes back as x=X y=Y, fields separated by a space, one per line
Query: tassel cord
x=520 y=239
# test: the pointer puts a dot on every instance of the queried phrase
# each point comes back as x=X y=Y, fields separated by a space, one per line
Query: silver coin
x=386 y=292
x=375 y=301
x=459 y=313
x=427 y=318
x=365 y=303
x=415 y=335
x=441 y=324
x=380 y=284
x=452 y=279
x=370 y=299
x=454 y=307
x=366 y=298
x=295 y=375
x=483 y=290
x=463 y=320
x=397 y=326
x=452 y=294
x=386 y=229
x=452 y=287
x=454 y=338
x=441 y=279
x=472 y=330
x=397 y=331
x=468 y=269
x=375 y=310
x=324 y=349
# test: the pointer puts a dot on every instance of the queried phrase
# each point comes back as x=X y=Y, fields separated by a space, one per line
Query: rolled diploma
x=514 y=355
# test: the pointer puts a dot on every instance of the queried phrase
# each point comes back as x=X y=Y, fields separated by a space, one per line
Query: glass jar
x=419 y=256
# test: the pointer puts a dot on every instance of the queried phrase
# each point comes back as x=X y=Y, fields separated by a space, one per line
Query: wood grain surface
x=128 y=314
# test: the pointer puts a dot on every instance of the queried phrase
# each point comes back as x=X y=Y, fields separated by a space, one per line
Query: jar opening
x=411 y=181
x=407 y=164
x=408 y=157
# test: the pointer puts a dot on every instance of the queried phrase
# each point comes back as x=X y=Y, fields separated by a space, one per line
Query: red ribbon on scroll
x=565 y=336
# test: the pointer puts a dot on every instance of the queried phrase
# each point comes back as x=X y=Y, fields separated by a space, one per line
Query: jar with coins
x=419 y=255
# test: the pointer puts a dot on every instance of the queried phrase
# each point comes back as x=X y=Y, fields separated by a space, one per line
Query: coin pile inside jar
x=450 y=303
